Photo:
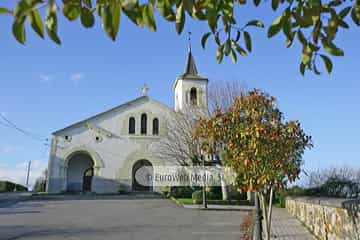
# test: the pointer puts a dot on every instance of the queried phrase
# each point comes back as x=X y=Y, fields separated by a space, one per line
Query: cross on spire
x=144 y=90
x=190 y=66
x=189 y=40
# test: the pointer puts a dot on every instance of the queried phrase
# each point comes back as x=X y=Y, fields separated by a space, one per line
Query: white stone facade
x=106 y=141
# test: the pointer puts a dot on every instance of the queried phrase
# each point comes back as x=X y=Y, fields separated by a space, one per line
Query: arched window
x=193 y=96
x=132 y=125
x=155 y=129
x=143 y=123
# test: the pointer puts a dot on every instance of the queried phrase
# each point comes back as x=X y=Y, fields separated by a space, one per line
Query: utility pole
x=28 y=173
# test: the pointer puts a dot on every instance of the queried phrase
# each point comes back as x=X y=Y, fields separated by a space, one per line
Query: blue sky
x=45 y=87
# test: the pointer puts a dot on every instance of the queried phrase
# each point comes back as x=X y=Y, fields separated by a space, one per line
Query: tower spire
x=190 y=67
x=189 y=41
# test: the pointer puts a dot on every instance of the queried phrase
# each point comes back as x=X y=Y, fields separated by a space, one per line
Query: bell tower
x=191 y=89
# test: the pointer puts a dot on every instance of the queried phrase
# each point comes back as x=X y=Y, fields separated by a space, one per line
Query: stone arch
x=79 y=172
x=98 y=162
x=142 y=172
x=124 y=173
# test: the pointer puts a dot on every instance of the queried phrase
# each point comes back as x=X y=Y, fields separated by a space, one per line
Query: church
x=103 y=153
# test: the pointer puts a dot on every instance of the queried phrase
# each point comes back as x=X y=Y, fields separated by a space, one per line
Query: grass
x=185 y=200
x=216 y=202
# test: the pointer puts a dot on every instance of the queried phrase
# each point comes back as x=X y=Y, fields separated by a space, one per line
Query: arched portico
x=98 y=162
x=80 y=165
x=80 y=170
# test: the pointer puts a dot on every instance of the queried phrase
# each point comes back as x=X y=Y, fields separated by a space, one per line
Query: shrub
x=334 y=182
x=182 y=191
x=214 y=193
x=280 y=197
x=6 y=186
x=40 y=185
x=336 y=187
x=234 y=193
x=21 y=188
x=123 y=188
x=197 y=196
x=166 y=191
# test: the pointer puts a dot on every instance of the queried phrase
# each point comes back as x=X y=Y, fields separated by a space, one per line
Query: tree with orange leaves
x=264 y=150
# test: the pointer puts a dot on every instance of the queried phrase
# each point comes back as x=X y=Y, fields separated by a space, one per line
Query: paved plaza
x=118 y=219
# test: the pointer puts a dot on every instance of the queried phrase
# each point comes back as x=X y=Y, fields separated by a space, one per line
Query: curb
x=177 y=202
x=10 y=202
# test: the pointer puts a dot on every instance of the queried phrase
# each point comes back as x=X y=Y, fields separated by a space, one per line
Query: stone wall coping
x=327 y=201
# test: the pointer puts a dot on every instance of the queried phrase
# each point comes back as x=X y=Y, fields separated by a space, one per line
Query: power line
x=12 y=125
x=4 y=124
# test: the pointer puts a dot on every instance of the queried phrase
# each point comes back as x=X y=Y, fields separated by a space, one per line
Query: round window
x=67 y=138
x=98 y=138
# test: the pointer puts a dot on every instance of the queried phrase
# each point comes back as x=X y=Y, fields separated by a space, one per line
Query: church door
x=88 y=175
x=142 y=176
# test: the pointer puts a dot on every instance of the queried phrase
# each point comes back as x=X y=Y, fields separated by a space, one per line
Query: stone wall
x=327 y=218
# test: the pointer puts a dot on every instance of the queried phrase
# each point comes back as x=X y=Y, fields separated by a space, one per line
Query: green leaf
x=36 y=23
x=111 y=19
x=342 y=23
x=247 y=41
x=180 y=18
x=306 y=55
x=21 y=8
x=233 y=56
x=255 y=23
x=148 y=16
x=316 y=31
x=165 y=9
x=327 y=62
x=287 y=28
x=51 y=23
x=87 y=18
x=332 y=49
x=275 y=4
x=212 y=15
x=238 y=34
x=227 y=47
x=4 y=10
x=316 y=71
x=290 y=40
x=130 y=4
x=220 y=54
x=87 y=3
x=18 y=29
x=257 y=2
x=275 y=27
x=71 y=11
x=302 y=69
x=301 y=37
x=355 y=15
x=217 y=39
x=343 y=13
x=204 y=39
x=239 y=49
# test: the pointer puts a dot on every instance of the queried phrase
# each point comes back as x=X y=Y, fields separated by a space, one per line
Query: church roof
x=125 y=105
x=190 y=68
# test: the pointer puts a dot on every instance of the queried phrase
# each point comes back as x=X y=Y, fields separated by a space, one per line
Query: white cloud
x=45 y=78
x=76 y=77
x=18 y=172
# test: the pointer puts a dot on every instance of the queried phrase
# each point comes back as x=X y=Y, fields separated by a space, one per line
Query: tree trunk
x=265 y=217
x=224 y=190
x=270 y=208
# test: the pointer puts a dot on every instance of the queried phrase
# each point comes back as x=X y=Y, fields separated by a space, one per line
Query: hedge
x=6 y=186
